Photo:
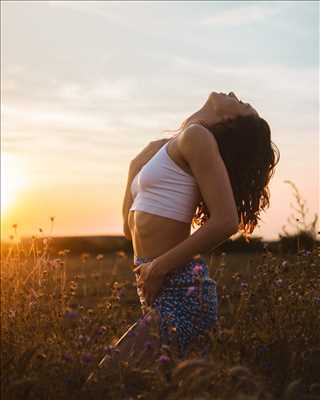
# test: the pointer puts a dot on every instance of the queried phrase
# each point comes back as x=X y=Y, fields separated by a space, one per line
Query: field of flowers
x=61 y=314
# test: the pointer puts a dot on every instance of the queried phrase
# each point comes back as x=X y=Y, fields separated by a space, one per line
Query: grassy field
x=61 y=313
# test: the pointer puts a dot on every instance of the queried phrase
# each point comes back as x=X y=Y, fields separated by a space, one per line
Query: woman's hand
x=149 y=280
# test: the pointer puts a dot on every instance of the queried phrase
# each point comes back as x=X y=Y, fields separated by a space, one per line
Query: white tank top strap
x=163 y=188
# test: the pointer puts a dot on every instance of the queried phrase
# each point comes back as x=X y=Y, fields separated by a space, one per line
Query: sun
x=13 y=180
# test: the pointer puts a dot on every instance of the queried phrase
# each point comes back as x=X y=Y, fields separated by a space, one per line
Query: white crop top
x=163 y=188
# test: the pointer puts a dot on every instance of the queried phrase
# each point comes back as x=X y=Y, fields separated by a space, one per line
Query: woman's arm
x=200 y=149
x=127 y=202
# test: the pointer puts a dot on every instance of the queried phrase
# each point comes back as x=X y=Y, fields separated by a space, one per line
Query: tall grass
x=57 y=322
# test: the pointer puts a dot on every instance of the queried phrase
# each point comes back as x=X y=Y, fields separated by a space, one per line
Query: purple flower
x=107 y=349
x=190 y=290
x=101 y=330
x=317 y=300
x=67 y=357
x=87 y=358
x=71 y=314
x=244 y=285
x=131 y=333
x=148 y=345
x=84 y=338
x=163 y=359
x=147 y=318
x=197 y=268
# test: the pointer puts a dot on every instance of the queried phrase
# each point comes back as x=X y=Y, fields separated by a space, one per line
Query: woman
x=213 y=173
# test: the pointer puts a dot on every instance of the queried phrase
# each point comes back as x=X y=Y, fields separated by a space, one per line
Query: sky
x=86 y=85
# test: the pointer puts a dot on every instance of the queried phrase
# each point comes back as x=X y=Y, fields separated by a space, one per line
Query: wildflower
x=87 y=358
x=190 y=290
x=278 y=282
x=243 y=285
x=71 y=314
x=84 y=257
x=67 y=357
x=284 y=263
x=99 y=257
x=262 y=350
x=317 y=300
x=163 y=359
x=101 y=330
x=108 y=349
x=142 y=322
x=147 y=318
x=197 y=268
x=148 y=345
x=131 y=333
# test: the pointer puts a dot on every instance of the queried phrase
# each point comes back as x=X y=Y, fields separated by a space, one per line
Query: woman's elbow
x=226 y=228
x=231 y=228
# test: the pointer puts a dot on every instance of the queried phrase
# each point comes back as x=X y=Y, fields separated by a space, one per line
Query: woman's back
x=153 y=235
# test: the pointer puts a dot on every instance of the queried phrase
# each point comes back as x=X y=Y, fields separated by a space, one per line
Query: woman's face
x=229 y=106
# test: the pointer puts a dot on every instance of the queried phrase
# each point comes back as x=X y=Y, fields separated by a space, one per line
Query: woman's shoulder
x=196 y=133
x=148 y=152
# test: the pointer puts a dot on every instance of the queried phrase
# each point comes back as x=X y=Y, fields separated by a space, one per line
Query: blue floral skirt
x=187 y=303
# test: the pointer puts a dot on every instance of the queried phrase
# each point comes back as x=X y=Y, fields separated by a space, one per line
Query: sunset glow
x=77 y=105
x=13 y=180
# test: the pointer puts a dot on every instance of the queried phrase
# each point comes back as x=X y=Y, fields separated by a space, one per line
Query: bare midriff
x=154 y=235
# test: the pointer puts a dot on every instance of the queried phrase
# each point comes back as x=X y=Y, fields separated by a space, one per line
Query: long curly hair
x=250 y=158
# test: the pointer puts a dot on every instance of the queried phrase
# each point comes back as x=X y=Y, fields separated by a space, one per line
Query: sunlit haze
x=86 y=85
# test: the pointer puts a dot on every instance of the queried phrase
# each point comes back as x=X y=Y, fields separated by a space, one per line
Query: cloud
x=127 y=105
x=121 y=15
x=102 y=89
x=243 y=14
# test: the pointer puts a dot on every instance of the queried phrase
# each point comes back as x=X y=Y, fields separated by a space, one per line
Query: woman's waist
x=153 y=235
x=194 y=271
